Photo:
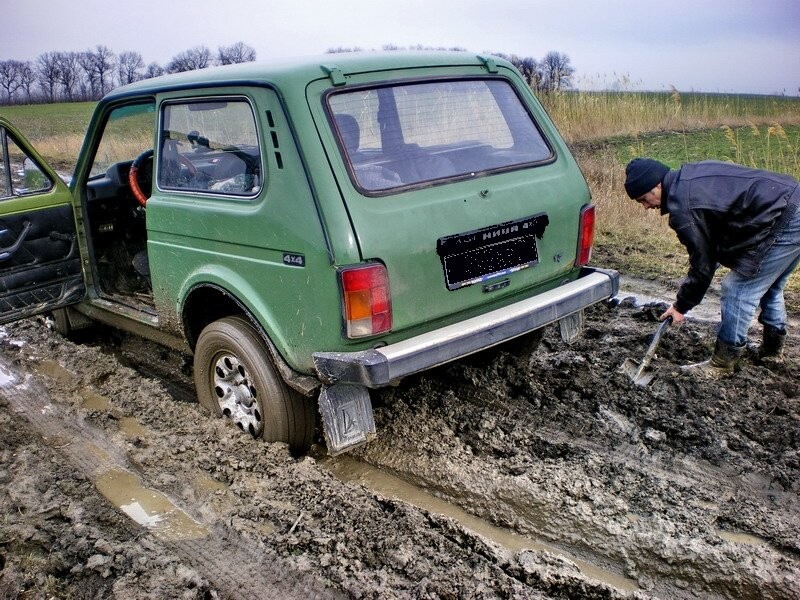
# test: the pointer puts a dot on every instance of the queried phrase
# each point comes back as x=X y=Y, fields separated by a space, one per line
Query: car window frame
x=196 y=98
x=345 y=157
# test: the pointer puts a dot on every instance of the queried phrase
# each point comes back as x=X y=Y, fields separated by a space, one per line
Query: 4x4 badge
x=295 y=260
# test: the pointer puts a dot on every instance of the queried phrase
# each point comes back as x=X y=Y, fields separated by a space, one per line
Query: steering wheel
x=133 y=174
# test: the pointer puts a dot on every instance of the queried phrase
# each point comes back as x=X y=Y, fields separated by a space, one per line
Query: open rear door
x=40 y=263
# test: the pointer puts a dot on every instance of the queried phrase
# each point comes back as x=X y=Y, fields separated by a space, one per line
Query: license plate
x=476 y=256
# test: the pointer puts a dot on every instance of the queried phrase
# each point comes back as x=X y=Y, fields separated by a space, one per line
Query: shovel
x=635 y=370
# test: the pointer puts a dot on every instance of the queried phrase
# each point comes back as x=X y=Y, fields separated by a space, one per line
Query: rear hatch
x=459 y=185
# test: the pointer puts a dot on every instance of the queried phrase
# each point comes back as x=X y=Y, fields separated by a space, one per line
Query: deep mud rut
x=506 y=475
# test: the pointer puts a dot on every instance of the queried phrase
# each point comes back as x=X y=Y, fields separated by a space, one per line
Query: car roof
x=299 y=71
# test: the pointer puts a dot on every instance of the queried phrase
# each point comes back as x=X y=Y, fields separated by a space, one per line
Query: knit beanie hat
x=642 y=175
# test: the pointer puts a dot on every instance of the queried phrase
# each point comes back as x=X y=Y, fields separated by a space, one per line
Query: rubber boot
x=722 y=362
x=772 y=343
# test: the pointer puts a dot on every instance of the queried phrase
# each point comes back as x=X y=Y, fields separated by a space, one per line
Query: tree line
x=89 y=75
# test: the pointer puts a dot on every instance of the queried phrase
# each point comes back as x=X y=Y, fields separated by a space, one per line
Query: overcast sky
x=737 y=46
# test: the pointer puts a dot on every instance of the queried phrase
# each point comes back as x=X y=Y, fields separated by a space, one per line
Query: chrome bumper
x=380 y=366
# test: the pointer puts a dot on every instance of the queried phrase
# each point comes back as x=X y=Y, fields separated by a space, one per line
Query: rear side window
x=412 y=133
x=210 y=146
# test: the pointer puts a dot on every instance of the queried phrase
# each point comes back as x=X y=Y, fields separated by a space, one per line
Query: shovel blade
x=636 y=372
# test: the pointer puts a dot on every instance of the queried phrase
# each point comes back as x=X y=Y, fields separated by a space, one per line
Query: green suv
x=308 y=230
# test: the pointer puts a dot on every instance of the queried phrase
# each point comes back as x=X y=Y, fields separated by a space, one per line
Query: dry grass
x=583 y=116
x=635 y=241
x=60 y=151
x=639 y=242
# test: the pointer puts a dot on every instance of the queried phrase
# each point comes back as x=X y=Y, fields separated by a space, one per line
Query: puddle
x=130 y=427
x=351 y=470
x=52 y=369
x=265 y=529
x=94 y=401
x=147 y=507
x=646 y=292
x=209 y=484
x=742 y=538
x=6 y=377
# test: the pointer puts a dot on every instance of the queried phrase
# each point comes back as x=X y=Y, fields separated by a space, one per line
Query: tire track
x=229 y=561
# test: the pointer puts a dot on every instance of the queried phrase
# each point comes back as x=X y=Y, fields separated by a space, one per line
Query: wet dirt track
x=547 y=475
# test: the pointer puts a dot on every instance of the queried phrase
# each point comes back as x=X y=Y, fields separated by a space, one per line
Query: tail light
x=585 y=236
x=366 y=299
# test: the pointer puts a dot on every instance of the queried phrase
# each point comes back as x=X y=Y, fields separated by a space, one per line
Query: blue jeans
x=741 y=296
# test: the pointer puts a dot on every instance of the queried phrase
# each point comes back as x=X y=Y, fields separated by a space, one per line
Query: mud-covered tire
x=61 y=323
x=235 y=378
x=72 y=326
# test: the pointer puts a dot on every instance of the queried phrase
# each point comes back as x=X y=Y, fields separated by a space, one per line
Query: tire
x=73 y=326
x=235 y=378
x=61 y=322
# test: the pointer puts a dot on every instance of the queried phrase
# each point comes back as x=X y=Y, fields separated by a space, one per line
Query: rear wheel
x=235 y=378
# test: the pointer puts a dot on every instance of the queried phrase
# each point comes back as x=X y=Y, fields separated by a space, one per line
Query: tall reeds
x=605 y=130
x=583 y=116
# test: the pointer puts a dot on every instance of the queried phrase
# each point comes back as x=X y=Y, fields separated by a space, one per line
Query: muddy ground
x=506 y=475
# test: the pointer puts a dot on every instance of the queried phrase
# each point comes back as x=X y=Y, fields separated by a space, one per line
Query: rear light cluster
x=367 y=303
x=585 y=236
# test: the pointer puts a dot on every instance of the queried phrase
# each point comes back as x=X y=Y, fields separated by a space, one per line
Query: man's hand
x=671 y=312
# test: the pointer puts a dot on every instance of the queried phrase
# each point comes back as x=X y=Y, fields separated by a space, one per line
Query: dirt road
x=544 y=475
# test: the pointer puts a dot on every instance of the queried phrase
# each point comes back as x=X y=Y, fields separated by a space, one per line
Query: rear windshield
x=411 y=133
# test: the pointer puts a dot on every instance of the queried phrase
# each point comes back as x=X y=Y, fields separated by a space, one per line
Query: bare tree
x=47 y=74
x=153 y=70
x=103 y=67
x=236 y=53
x=10 y=77
x=557 y=72
x=68 y=75
x=198 y=57
x=528 y=67
x=129 y=65
x=531 y=71
x=27 y=77
x=86 y=63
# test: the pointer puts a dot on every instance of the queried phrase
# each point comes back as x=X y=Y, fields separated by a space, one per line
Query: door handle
x=8 y=252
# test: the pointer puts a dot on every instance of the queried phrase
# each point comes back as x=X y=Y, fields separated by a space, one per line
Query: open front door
x=40 y=263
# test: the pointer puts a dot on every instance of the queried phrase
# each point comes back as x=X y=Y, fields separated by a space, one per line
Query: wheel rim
x=236 y=393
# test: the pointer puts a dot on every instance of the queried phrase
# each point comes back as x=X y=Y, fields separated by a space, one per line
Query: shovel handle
x=651 y=350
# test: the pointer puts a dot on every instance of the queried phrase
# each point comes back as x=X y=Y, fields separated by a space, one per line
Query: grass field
x=55 y=130
x=605 y=130
x=583 y=116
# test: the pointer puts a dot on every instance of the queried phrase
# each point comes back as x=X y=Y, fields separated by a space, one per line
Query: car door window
x=210 y=146
x=19 y=173
x=128 y=132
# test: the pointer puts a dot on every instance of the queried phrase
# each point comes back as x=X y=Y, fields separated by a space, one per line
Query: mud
x=506 y=475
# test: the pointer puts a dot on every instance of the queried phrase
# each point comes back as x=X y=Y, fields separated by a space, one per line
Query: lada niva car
x=308 y=230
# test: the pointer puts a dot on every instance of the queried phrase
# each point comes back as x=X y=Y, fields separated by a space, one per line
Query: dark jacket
x=724 y=214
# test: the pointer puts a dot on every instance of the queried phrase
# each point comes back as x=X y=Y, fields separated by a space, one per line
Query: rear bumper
x=380 y=366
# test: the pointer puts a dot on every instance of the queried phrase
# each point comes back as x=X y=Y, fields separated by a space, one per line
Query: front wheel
x=235 y=378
